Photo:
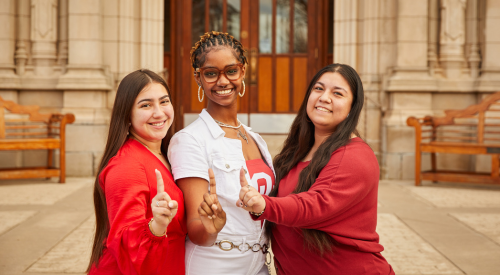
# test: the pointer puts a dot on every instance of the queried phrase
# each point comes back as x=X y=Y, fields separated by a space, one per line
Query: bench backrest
x=18 y=121
x=479 y=123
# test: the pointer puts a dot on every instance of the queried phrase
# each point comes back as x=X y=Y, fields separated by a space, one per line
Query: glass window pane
x=265 y=25
x=282 y=26
x=233 y=18
x=198 y=20
x=215 y=14
x=166 y=31
x=300 y=26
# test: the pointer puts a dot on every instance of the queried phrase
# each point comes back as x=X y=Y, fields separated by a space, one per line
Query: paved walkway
x=46 y=228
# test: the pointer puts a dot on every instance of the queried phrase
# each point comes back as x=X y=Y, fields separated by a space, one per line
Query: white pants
x=214 y=261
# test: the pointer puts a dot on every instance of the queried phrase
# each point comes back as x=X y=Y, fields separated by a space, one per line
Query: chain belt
x=243 y=247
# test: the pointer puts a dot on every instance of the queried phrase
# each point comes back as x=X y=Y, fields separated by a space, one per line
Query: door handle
x=253 y=66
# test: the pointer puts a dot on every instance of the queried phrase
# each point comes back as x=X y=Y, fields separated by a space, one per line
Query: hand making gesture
x=250 y=199
x=211 y=213
x=163 y=208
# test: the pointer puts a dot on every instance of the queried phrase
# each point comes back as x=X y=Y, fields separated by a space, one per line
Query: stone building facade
x=415 y=57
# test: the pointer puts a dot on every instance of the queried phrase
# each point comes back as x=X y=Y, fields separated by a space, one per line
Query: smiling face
x=329 y=102
x=223 y=92
x=152 y=114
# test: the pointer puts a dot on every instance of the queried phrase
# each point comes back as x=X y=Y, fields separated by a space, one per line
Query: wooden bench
x=474 y=130
x=24 y=128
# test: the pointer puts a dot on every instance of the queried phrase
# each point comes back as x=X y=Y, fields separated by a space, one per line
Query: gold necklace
x=159 y=153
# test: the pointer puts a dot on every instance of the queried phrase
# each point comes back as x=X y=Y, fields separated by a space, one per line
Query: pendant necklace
x=237 y=128
x=159 y=153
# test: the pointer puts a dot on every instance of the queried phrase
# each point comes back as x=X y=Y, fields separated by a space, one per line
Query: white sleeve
x=187 y=158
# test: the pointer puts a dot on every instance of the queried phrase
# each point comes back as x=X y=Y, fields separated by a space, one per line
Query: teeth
x=323 y=109
x=223 y=92
x=158 y=124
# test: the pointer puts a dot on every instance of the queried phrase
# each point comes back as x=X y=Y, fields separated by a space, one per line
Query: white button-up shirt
x=192 y=151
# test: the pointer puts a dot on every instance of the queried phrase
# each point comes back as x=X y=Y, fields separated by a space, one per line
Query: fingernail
x=171 y=214
x=171 y=204
x=214 y=216
x=210 y=217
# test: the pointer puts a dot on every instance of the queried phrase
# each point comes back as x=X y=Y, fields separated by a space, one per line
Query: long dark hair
x=127 y=92
x=300 y=141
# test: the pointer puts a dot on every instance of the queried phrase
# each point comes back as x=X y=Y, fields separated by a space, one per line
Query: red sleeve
x=135 y=248
x=340 y=185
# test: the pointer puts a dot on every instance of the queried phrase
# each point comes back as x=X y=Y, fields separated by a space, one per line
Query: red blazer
x=129 y=184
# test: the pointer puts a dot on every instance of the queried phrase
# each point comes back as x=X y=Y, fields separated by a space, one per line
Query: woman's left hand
x=250 y=199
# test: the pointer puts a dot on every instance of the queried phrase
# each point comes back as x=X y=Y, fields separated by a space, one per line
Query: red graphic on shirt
x=261 y=176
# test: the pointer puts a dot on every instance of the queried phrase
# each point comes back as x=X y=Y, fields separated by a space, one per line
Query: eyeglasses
x=212 y=75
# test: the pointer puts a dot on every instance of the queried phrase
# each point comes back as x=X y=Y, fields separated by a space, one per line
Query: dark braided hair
x=211 y=40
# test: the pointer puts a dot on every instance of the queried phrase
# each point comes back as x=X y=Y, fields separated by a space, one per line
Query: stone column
x=370 y=23
x=85 y=63
x=152 y=35
x=345 y=32
x=411 y=69
x=489 y=80
x=62 y=57
x=433 y=37
x=8 y=78
x=452 y=37
x=409 y=88
x=44 y=35
x=23 y=36
x=128 y=37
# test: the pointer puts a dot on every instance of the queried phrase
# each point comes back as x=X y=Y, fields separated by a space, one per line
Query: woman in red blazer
x=140 y=219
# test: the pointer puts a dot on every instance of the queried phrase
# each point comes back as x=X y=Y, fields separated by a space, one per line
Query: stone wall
x=418 y=58
x=68 y=56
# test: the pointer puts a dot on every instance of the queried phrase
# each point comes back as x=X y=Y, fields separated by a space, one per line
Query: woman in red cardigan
x=140 y=219
x=322 y=214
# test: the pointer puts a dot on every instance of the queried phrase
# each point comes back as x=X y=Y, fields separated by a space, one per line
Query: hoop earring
x=202 y=94
x=241 y=95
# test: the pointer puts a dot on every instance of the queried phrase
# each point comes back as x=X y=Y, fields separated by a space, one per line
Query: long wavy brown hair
x=127 y=92
x=300 y=141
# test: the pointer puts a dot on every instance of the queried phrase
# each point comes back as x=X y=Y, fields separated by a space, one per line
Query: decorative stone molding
x=44 y=35
x=452 y=38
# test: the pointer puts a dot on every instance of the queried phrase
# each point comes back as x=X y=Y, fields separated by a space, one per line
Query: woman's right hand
x=163 y=207
x=211 y=213
x=250 y=199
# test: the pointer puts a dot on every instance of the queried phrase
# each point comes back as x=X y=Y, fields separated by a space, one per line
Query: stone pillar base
x=8 y=79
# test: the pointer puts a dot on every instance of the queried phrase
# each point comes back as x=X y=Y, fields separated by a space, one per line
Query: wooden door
x=286 y=41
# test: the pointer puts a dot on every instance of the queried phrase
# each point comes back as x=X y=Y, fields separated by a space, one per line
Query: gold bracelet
x=258 y=214
x=152 y=232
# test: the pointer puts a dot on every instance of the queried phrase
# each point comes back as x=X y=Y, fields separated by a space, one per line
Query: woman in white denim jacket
x=222 y=238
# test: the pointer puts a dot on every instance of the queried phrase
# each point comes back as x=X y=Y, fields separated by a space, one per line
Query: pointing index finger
x=243 y=179
x=159 y=182
x=213 y=186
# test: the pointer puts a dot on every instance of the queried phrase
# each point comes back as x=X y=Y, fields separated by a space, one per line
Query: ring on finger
x=158 y=203
x=248 y=186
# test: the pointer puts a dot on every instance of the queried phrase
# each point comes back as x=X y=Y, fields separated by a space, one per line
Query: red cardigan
x=343 y=203
x=129 y=184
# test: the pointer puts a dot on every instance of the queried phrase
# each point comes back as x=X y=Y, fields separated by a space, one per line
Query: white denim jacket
x=193 y=150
